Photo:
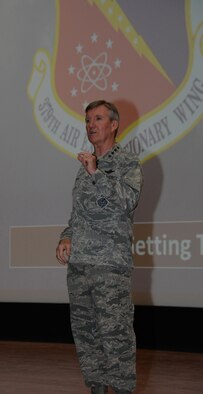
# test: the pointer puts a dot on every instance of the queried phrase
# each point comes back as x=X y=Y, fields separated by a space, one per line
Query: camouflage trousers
x=102 y=323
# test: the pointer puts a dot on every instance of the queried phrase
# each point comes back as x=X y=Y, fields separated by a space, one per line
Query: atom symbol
x=94 y=72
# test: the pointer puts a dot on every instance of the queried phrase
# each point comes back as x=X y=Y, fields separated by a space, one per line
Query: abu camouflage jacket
x=100 y=227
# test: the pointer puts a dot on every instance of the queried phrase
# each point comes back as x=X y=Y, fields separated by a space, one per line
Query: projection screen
x=146 y=57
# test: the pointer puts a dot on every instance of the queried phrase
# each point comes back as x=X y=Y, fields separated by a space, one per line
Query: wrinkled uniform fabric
x=100 y=268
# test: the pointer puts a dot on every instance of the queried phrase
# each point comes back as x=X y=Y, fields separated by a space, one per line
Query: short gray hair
x=113 y=112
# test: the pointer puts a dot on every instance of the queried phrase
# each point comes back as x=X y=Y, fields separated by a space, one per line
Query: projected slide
x=132 y=54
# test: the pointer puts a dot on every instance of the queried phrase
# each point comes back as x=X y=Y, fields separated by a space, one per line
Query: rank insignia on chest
x=102 y=201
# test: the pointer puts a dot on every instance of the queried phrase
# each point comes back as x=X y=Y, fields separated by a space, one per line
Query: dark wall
x=163 y=328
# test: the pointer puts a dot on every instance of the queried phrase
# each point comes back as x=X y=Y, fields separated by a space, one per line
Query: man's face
x=100 y=129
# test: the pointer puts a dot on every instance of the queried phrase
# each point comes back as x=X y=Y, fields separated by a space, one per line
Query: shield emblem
x=100 y=55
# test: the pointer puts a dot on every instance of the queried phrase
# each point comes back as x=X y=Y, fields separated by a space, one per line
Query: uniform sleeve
x=123 y=186
x=67 y=232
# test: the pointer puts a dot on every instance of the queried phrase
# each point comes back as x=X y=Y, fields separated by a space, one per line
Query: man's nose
x=91 y=124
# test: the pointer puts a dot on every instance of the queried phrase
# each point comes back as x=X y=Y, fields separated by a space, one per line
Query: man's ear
x=114 y=125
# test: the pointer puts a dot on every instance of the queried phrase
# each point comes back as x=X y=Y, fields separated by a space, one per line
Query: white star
x=74 y=92
x=114 y=87
x=120 y=18
x=94 y=37
x=110 y=11
x=117 y=63
x=109 y=44
x=71 y=69
x=79 y=48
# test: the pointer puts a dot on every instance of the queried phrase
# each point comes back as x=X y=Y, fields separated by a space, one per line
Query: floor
x=49 y=368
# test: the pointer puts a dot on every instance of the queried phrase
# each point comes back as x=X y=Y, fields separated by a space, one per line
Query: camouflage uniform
x=100 y=267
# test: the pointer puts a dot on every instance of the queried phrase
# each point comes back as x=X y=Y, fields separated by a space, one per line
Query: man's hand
x=88 y=161
x=63 y=251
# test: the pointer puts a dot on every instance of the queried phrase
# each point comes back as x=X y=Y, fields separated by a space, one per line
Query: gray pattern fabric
x=102 y=323
x=100 y=267
x=100 y=226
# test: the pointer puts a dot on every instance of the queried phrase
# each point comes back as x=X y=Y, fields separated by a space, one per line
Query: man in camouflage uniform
x=97 y=243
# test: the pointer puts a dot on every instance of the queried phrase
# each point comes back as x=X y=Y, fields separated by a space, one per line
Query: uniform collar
x=108 y=155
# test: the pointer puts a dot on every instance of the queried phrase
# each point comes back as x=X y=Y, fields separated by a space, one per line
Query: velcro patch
x=102 y=201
